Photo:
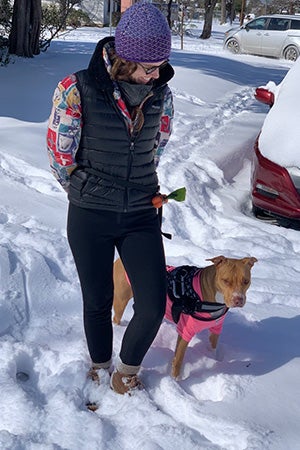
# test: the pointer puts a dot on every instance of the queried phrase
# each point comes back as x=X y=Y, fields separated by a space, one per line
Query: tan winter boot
x=93 y=374
x=124 y=384
x=94 y=370
x=97 y=373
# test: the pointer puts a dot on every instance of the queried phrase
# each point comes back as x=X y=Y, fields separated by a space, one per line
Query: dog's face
x=233 y=278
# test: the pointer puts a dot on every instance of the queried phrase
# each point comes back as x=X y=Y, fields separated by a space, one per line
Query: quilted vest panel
x=115 y=171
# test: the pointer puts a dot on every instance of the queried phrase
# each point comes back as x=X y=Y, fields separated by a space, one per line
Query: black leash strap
x=166 y=235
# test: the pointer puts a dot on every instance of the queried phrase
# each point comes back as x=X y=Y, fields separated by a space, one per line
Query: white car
x=277 y=36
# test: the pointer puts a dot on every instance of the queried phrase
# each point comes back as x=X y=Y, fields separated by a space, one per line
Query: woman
x=108 y=127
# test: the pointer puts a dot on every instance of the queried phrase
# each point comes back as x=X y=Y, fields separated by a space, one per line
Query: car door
x=274 y=36
x=252 y=35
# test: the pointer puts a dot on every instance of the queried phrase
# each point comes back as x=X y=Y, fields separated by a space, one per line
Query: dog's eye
x=246 y=281
x=226 y=281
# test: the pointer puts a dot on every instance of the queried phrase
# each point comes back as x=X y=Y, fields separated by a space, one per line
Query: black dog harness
x=186 y=300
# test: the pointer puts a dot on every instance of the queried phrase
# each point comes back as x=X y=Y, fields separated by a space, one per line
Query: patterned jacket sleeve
x=64 y=130
x=166 y=126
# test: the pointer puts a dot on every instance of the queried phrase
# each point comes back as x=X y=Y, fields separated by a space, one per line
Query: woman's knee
x=151 y=312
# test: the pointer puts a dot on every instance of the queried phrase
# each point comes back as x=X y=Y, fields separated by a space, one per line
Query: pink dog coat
x=187 y=325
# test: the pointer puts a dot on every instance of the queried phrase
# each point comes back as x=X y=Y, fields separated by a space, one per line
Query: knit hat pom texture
x=143 y=34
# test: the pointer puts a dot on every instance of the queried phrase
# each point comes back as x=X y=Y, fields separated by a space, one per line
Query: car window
x=257 y=24
x=295 y=25
x=278 y=24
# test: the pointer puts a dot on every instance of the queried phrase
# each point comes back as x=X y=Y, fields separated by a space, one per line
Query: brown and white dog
x=217 y=287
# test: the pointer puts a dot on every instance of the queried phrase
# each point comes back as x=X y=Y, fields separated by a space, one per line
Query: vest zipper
x=132 y=136
x=130 y=159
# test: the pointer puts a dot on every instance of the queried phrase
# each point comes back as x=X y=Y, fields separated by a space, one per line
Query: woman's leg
x=142 y=253
x=92 y=245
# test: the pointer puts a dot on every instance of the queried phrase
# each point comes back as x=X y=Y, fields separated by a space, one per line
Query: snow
x=244 y=396
x=281 y=127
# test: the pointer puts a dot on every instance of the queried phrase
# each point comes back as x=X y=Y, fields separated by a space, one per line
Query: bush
x=5 y=24
x=77 y=18
x=52 y=17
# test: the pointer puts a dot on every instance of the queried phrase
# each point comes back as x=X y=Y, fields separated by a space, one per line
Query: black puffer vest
x=116 y=171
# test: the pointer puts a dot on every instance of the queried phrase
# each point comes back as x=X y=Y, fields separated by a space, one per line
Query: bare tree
x=209 y=6
x=169 y=13
x=223 y=12
x=230 y=11
x=25 y=30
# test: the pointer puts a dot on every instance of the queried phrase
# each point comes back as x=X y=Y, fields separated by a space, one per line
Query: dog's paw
x=219 y=353
x=216 y=353
x=210 y=349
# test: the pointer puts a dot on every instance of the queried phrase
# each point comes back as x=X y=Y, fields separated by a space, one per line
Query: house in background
x=101 y=12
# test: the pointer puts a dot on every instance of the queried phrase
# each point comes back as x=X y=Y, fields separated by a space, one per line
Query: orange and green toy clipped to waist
x=161 y=199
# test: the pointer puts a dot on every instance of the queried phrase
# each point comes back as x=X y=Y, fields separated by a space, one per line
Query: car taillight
x=266 y=190
x=264 y=96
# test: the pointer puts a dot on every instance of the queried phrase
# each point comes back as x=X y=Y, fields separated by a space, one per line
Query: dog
x=197 y=298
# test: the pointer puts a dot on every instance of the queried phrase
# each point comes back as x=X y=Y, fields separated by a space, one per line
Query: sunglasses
x=149 y=70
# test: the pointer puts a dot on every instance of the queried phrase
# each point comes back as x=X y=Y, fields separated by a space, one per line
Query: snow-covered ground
x=246 y=396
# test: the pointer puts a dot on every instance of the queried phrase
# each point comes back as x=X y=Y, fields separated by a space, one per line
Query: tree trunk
x=25 y=30
x=223 y=12
x=169 y=13
x=208 y=18
x=36 y=19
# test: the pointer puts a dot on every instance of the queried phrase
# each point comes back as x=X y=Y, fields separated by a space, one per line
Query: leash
x=160 y=199
x=160 y=213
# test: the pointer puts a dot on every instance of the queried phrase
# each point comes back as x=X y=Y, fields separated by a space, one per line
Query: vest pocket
x=78 y=179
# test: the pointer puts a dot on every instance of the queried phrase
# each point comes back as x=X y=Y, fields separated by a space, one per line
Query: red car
x=276 y=161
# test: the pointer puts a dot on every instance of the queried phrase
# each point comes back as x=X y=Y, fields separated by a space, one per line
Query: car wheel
x=258 y=212
x=291 y=53
x=233 y=46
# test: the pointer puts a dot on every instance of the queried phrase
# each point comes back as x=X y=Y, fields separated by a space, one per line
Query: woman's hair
x=121 y=69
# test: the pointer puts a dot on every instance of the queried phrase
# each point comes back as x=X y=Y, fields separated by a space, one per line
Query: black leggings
x=93 y=236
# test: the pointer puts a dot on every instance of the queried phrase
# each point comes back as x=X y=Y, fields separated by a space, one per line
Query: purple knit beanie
x=143 y=34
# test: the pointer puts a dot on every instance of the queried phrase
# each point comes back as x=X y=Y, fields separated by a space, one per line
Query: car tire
x=233 y=46
x=258 y=212
x=261 y=214
x=291 y=53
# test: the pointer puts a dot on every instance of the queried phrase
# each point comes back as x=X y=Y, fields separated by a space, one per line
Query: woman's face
x=146 y=72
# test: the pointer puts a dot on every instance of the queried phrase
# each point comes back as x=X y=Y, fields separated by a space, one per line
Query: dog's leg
x=119 y=306
x=122 y=291
x=213 y=338
x=217 y=349
x=181 y=347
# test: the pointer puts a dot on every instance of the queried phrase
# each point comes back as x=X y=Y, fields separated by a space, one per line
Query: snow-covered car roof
x=279 y=140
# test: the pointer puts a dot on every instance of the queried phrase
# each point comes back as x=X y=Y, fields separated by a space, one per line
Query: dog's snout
x=238 y=300
x=239 y=303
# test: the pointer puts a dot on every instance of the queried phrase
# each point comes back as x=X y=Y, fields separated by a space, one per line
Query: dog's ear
x=250 y=261
x=217 y=259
